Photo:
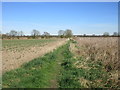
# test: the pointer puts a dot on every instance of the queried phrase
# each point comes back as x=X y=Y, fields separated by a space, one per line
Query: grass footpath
x=58 y=69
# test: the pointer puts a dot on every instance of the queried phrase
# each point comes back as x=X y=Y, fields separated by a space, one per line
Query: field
x=81 y=62
x=99 y=53
x=16 y=52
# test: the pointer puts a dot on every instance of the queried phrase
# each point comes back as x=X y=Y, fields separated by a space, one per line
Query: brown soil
x=12 y=60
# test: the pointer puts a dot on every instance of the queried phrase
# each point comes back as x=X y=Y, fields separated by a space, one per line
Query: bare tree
x=35 y=33
x=84 y=35
x=46 y=34
x=20 y=33
x=7 y=34
x=105 y=34
x=115 y=34
x=0 y=34
x=68 y=33
x=118 y=33
x=13 y=33
x=93 y=34
x=61 y=32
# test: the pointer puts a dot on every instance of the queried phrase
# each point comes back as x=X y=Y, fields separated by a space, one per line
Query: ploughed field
x=81 y=62
x=17 y=52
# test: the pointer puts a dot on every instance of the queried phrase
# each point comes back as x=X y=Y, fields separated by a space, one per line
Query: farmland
x=99 y=53
x=17 y=52
x=81 y=62
x=60 y=45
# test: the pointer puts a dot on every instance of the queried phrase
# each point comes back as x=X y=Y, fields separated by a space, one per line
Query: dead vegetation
x=100 y=49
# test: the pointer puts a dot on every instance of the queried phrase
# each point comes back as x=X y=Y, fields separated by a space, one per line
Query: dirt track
x=13 y=60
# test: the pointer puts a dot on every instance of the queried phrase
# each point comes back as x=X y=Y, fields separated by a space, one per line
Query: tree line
x=36 y=33
x=61 y=33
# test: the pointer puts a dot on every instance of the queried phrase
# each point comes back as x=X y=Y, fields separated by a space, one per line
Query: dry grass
x=103 y=49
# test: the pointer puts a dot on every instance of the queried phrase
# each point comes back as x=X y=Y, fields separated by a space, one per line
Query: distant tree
x=61 y=33
x=46 y=34
x=0 y=35
x=105 y=34
x=93 y=34
x=115 y=34
x=35 y=33
x=118 y=33
x=13 y=33
x=84 y=34
x=7 y=34
x=20 y=33
x=68 y=33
